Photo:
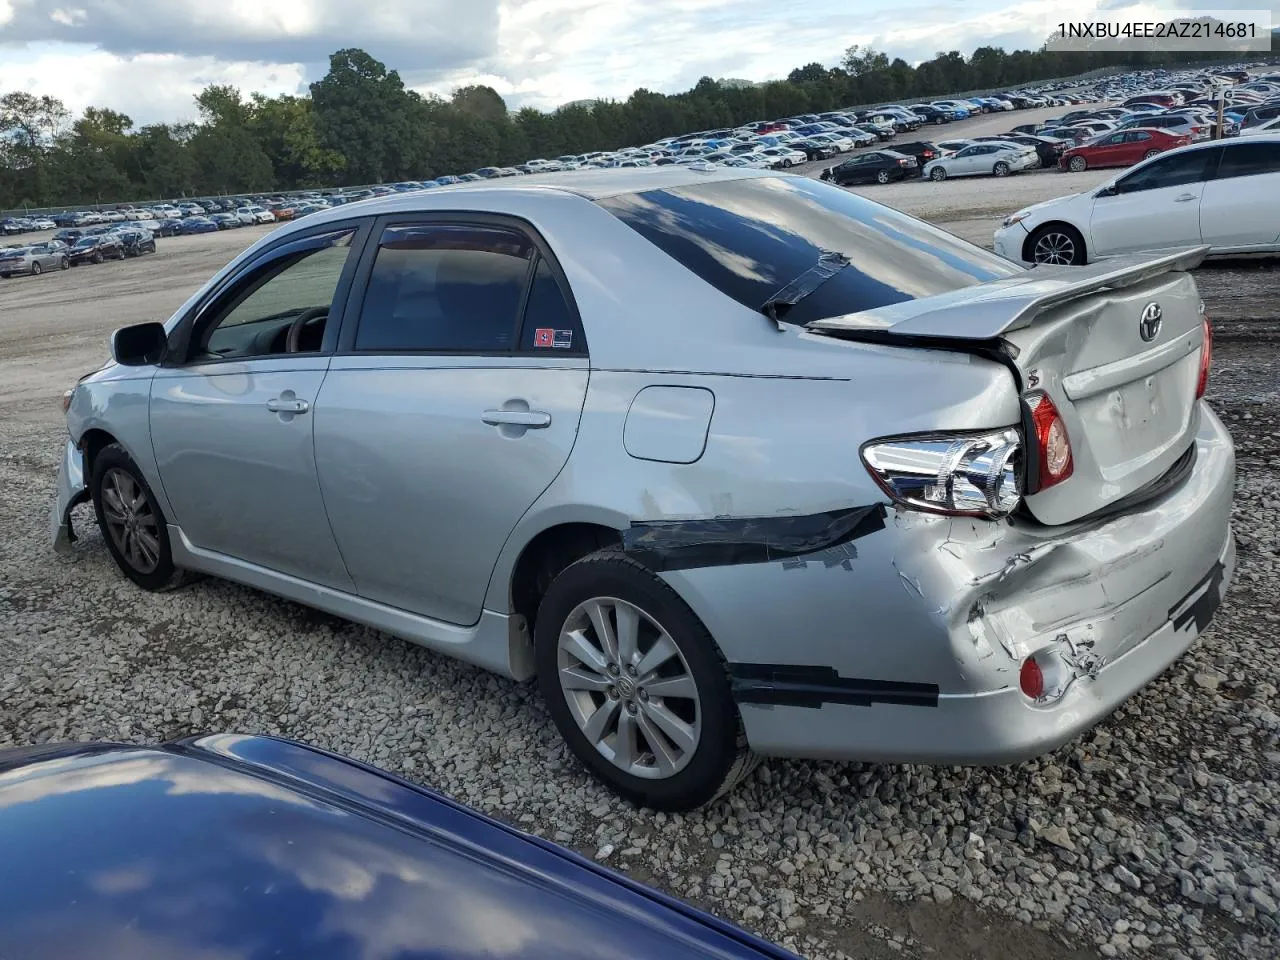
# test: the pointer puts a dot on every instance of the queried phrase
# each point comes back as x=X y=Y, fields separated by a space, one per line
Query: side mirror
x=138 y=345
x=1108 y=191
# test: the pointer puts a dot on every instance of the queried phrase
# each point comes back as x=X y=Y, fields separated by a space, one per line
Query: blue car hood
x=247 y=848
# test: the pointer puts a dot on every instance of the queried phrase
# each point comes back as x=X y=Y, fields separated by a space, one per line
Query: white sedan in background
x=997 y=159
x=1224 y=193
x=1266 y=128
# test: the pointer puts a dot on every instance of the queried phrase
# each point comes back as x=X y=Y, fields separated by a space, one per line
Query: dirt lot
x=1156 y=835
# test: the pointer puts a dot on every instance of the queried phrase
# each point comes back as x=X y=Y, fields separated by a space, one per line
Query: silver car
x=733 y=463
x=33 y=259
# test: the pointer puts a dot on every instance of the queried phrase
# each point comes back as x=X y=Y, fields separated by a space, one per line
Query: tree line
x=360 y=125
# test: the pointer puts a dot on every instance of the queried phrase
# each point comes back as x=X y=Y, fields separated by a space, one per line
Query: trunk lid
x=1087 y=336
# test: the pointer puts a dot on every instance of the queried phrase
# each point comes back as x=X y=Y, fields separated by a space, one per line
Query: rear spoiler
x=989 y=310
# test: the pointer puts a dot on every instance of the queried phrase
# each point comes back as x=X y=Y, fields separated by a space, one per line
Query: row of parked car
x=1181 y=111
x=71 y=248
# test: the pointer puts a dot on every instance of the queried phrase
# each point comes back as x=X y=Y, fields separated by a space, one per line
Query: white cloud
x=148 y=87
x=149 y=57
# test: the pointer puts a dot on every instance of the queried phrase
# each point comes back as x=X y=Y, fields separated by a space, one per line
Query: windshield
x=750 y=238
x=86 y=241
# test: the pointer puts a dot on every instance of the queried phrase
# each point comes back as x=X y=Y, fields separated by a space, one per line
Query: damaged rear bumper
x=909 y=648
x=70 y=491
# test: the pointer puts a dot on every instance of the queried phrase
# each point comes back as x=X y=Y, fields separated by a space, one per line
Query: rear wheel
x=1078 y=164
x=1056 y=244
x=1001 y=169
x=1149 y=154
x=36 y=269
x=938 y=174
x=636 y=685
x=882 y=176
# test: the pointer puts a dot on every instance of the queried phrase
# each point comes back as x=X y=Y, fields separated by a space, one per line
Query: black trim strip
x=1203 y=609
x=783 y=685
x=688 y=544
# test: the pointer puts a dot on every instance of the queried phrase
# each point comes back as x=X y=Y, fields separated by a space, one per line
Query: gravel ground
x=1155 y=835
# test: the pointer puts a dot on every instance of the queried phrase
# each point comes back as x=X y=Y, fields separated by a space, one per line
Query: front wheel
x=36 y=269
x=1150 y=153
x=98 y=258
x=131 y=521
x=1001 y=169
x=938 y=174
x=1078 y=164
x=636 y=685
x=64 y=264
x=1057 y=244
x=882 y=176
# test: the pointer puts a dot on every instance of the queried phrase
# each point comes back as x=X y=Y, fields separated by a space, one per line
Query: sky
x=148 y=58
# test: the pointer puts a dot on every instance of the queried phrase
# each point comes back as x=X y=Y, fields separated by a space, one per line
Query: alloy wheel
x=36 y=269
x=131 y=520
x=629 y=688
x=882 y=176
x=1055 y=248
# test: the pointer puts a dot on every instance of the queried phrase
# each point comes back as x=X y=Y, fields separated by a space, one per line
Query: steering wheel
x=294 y=338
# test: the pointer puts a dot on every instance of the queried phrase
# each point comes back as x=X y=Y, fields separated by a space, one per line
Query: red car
x=1120 y=149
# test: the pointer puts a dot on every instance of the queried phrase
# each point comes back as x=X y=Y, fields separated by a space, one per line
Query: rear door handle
x=533 y=419
x=288 y=403
x=1184 y=198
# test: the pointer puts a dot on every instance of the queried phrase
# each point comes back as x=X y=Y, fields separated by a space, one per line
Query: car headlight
x=1009 y=221
x=971 y=474
x=67 y=396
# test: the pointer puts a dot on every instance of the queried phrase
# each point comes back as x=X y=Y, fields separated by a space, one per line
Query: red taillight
x=1031 y=679
x=927 y=153
x=1053 y=446
x=1206 y=358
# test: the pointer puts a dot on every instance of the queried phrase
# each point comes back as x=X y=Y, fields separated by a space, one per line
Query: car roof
x=301 y=853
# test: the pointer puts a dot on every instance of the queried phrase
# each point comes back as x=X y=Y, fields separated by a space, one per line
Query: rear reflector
x=1053 y=446
x=1206 y=358
x=1031 y=679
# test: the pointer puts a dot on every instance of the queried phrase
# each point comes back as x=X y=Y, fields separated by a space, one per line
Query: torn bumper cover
x=688 y=544
x=70 y=491
x=911 y=651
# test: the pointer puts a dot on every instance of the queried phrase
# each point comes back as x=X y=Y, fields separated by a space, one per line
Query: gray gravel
x=1156 y=834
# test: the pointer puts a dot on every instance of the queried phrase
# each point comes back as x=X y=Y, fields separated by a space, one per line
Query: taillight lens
x=978 y=475
x=1053 y=445
x=1206 y=359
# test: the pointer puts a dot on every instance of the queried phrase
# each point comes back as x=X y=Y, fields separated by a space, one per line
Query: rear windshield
x=751 y=238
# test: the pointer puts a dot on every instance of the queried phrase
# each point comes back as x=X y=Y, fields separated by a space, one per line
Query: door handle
x=532 y=419
x=289 y=404
x=1184 y=198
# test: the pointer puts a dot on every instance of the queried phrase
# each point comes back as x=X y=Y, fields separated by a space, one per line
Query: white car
x=1267 y=127
x=1223 y=193
x=43 y=223
x=979 y=159
x=784 y=156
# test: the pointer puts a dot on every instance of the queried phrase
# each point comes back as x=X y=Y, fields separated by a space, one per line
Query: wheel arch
x=1028 y=243
x=545 y=554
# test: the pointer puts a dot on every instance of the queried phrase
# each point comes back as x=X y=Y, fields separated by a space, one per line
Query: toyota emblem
x=1149 y=324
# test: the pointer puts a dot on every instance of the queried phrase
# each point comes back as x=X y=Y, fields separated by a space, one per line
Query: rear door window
x=751 y=238
x=445 y=287
x=1249 y=160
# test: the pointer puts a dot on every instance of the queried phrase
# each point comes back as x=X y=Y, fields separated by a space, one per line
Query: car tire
x=1150 y=153
x=937 y=121
x=938 y=174
x=36 y=269
x=1057 y=244
x=1001 y=169
x=135 y=532
x=882 y=176
x=602 y=587
x=98 y=258
x=1077 y=164
x=64 y=264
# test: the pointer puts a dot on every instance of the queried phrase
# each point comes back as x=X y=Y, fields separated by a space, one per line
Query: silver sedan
x=33 y=259
x=733 y=463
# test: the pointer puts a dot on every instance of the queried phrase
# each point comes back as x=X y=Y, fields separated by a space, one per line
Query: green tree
x=860 y=61
x=362 y=112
